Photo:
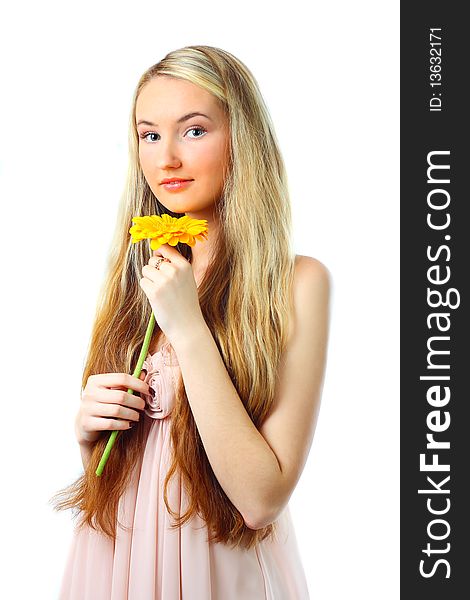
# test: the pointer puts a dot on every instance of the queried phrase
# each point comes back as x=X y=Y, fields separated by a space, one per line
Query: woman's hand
x=172 y=292
x=106 y=405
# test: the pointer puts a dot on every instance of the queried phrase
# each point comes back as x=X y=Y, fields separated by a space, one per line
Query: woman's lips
x=176 y=185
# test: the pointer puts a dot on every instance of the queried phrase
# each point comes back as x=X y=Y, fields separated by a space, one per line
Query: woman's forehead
x=169 y=99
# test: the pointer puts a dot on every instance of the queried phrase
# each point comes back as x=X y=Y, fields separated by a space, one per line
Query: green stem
x=138 y=369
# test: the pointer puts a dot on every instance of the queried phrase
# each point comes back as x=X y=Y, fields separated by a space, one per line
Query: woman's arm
x=85 y=450
x=258 y=476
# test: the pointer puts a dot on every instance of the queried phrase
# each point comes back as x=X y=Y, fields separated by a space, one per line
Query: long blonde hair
x=245 y=298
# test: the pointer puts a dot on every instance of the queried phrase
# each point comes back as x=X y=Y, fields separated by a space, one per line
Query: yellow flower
x=168 y=230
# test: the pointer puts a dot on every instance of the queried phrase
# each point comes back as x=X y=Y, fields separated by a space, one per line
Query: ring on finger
x=158 y=261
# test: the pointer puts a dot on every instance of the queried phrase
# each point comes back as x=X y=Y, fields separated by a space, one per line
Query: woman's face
x=174 y=144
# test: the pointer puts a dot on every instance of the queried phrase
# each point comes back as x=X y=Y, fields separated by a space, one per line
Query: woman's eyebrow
x=180 y=120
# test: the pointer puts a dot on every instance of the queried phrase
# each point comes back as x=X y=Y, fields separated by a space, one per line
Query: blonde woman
x=193 y=501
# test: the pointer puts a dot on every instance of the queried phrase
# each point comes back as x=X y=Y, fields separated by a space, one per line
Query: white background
x=330 y=80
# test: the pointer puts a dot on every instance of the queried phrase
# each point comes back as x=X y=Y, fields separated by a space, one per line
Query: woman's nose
x=167 y=155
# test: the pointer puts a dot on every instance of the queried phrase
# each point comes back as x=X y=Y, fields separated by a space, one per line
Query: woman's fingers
x=114 y=397
x=115 y=410
x=103 y=424
x=107 y=406
x=119 y=381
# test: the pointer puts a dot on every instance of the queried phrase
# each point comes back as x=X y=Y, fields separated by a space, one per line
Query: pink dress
x=152 y=561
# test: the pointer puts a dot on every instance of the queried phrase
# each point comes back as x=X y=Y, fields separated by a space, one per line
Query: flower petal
x=165 y=229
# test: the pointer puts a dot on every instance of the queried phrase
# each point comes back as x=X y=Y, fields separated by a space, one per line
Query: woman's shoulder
x=310 y=269
x=311 y=292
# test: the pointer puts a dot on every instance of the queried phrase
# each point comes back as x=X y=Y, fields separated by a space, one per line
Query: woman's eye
x=197 y=129
x=144 y=136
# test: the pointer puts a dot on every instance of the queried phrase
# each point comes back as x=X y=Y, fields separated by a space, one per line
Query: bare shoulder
x=309 y=270
x=311 y=298
x=312 y=287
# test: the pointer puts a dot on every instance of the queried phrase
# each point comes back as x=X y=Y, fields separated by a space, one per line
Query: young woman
x=193 y=501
